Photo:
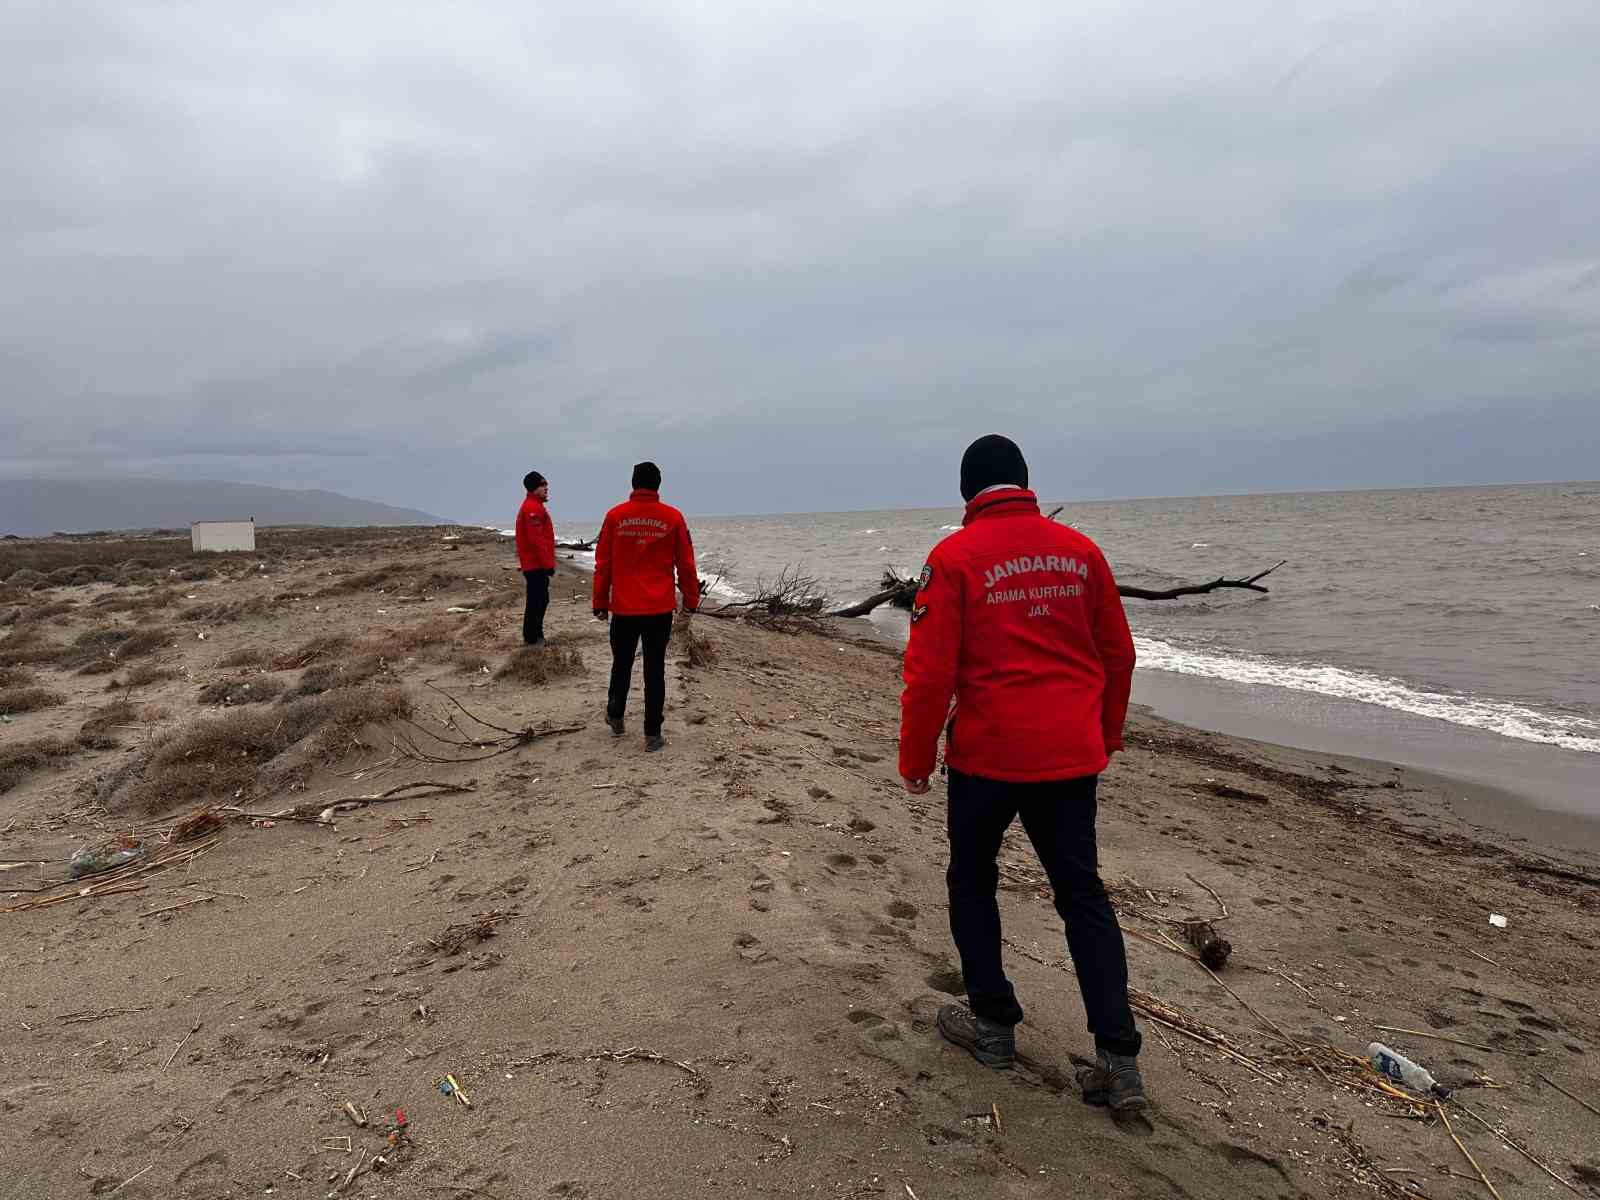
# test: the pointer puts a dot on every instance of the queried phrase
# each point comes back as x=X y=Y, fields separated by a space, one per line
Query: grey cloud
x=338 y=247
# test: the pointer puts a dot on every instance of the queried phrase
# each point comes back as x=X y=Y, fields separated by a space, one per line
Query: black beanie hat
x=990 y=460
x=533 y=480
x=647 y=476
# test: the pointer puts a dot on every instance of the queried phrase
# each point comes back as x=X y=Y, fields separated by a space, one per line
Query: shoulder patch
x=918 y=611
x=924 y=579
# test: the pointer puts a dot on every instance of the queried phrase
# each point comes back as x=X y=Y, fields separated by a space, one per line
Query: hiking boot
x=1124 y=1085
x=654 y=741
x=617 y=727
x=991 y=1043
x=1115 y=1083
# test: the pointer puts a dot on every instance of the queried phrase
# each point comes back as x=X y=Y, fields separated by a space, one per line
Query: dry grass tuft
x=697 y=651
x=540 y=664
x=20 y=759
x=29 y=645
x=257 y=689
x=101 y=651
x=27 y=699
x=40 y=613
x=26 y=579
x=413 y=639
x=310 y=652
x=348 y=712
x=221 y=756
x=389 y=573
x=225 y=612
x=503 y=599
x=152 y=601
x=327 y=677
x=469 y=661
x=106 y=718
x=11 y=677
x=142 y=675
x=245 y=656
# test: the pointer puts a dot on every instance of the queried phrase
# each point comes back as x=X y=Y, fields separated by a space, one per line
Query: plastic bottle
x=108 y=856
x=1397 y=1067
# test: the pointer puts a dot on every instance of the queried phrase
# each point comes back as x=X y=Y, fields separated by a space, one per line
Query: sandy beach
x=712 y=969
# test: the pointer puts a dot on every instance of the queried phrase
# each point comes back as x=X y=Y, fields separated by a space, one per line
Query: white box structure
x=223 y=535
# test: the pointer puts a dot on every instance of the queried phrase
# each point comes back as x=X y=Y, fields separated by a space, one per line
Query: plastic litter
x=1397 y=1067
x=106 y=856
x=1498 y=921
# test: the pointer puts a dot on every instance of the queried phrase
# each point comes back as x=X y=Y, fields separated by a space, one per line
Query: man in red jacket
x=642 y=543
x=536 y=554
x=1019 y=620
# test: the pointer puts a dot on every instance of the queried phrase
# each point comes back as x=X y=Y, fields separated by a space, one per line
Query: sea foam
x=1496 y=716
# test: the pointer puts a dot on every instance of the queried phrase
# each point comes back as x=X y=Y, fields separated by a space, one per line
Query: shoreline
x=1512 y=786
x=1521 y=789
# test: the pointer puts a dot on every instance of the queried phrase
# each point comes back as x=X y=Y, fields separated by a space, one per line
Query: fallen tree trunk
x=902 y=592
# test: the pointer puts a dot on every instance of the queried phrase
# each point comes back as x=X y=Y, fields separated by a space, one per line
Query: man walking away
x=642 y=543
x=1018 y=618
x=536 y=553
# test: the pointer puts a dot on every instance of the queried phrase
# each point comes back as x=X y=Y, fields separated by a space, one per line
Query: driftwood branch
x=793 y=599
x=902 y=593
x=1199 y=589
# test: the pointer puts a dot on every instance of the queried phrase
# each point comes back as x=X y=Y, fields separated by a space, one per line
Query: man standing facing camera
x=1019 y=620
x=643 y=542
x=536 y=555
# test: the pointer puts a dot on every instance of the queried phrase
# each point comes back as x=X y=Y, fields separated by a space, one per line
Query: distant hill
x=32 y=507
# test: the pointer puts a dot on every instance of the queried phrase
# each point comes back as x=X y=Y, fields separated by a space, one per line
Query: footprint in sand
x=946 y=978
x=903 y=909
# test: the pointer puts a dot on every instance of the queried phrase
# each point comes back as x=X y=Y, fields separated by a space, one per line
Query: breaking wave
x=1496 y=716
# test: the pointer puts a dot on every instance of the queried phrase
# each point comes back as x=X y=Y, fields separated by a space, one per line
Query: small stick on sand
x=1438 y=1037
x=1518 y=1147
x=127 y=1181
x=354 y=1171
x=1296 y=982
x=1485 y=957
x=1460 y=1145
x=175 y=907
x=1214 y=896
x=994 y=1115
x=181 y=1045
x=1569 y=1095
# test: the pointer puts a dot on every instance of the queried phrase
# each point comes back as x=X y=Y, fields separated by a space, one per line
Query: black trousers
x=1059 y=819
x=538 y=601
x=626 y=634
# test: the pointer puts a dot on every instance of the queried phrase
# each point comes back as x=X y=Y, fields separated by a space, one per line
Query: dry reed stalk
x=1460 y=1145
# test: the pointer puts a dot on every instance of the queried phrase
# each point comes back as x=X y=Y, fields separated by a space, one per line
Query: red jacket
x=1019 y=619
x=536 y=536
x=641 y=543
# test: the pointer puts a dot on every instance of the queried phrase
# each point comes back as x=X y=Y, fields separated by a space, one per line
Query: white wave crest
x=1496 y=716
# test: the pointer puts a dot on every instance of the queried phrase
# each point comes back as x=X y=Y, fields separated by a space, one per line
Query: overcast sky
x=799 y=258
